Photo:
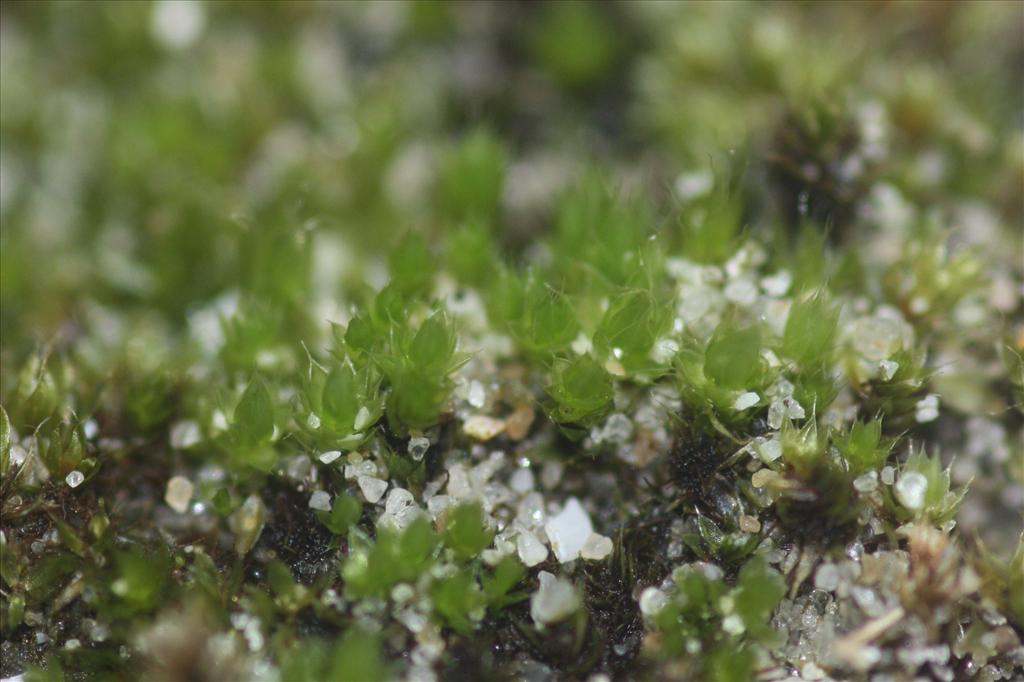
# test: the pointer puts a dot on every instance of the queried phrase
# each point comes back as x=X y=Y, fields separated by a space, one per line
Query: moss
x=319 y=323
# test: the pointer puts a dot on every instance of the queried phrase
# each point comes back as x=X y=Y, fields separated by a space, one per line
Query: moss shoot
x=548 y=341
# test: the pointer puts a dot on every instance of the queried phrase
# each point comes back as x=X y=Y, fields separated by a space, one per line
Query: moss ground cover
x=429 y=340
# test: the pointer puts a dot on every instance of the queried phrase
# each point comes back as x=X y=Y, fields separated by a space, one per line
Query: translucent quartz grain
x=179 y=493
x=827 y=577
x=398 y=500
x=476 y=396
x=521 y=481
x=749 y=524
x=652 y=600
x=320 y=501
x=554 y=600
x=911 y=489
x=596 y=547
x=927 y=409
x=866 y=483
x=531 y=551
x=483 y=428
x=373 y=488
x=418 y=447
x=329 y=456
x=568 y=530
x=746 y=401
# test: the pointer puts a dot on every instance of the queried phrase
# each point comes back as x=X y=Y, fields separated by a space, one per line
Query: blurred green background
x=157 y=155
